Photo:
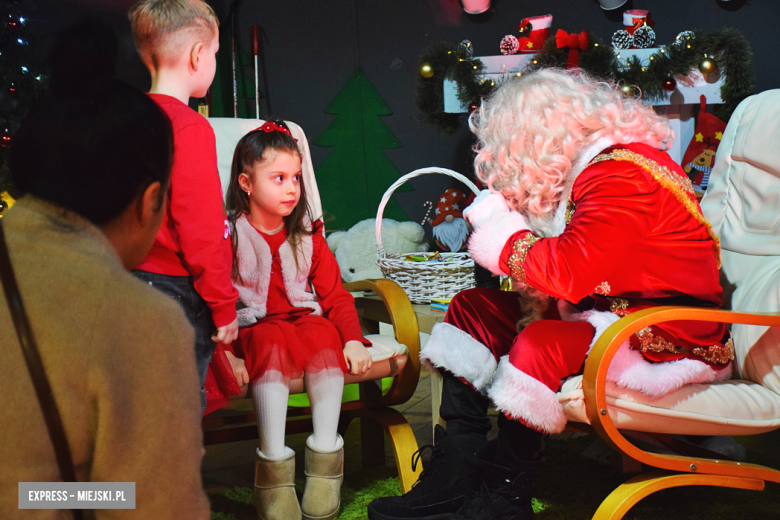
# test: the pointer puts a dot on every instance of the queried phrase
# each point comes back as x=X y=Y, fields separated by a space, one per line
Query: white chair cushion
x=725 y=408
x=388 y=359
x=384 y=347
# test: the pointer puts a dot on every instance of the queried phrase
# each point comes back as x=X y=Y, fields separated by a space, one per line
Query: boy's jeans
x=181 y=289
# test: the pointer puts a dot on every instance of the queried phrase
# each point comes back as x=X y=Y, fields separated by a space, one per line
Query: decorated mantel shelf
x=676 y=105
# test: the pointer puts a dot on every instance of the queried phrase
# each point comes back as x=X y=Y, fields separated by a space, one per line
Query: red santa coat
x=628 y=235
x=635 y=238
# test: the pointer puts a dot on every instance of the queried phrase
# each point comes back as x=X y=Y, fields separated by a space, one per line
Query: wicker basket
x=423 y=281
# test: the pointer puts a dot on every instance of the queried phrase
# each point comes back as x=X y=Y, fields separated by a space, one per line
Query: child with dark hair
x=109 y=344
x=296 y=318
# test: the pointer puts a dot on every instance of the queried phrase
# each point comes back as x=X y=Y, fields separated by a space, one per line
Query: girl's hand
x=239 y=369
x=357 y=357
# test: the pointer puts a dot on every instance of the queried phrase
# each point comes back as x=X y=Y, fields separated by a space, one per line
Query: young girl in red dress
x=295 y=319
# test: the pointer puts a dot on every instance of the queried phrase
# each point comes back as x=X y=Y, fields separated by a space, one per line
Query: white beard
x=453 y=234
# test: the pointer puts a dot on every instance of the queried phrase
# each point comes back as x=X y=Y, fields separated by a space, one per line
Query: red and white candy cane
x=429 y=205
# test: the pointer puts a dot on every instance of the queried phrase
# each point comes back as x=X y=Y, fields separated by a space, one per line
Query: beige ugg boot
x=324 y=473
x=274 y=495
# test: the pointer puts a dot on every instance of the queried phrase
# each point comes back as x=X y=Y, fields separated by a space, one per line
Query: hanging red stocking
x=700 y=155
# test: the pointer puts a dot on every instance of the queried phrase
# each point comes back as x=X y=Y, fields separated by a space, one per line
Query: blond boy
x=191 y=257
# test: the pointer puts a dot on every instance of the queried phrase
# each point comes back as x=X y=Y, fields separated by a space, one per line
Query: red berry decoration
x=6 y=139
x=525 y=29
x=14 y=24
x=669 y=84
x=473 y=106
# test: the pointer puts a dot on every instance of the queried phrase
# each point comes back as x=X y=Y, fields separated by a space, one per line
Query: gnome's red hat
x=450 y=204
x=533 y=32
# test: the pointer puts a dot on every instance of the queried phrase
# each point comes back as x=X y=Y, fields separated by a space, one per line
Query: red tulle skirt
x=289 y=344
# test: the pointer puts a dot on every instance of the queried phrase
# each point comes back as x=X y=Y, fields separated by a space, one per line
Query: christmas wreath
x=728 y=50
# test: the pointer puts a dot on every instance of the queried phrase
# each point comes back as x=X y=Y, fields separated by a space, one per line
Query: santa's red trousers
x=547 y=350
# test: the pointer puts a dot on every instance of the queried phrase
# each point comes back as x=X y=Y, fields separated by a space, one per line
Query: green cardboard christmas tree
x=355 y=175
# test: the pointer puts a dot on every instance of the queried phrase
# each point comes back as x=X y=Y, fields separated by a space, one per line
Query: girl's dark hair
x=249 y=151
x=95 y=148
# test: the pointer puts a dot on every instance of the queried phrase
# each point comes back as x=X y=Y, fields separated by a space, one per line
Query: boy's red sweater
x=192 y=240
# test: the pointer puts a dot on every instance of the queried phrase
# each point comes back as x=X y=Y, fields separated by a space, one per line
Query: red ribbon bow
x=639 y=22
x=574 y=42
x=270 y=126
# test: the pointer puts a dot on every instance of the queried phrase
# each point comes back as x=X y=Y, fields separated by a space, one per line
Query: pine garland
x=452 y=62
x=729 y=47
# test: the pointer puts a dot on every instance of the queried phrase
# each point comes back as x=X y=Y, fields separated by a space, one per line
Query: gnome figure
x=449 y=227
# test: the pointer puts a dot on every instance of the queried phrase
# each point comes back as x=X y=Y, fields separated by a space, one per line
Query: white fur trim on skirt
x=629 y=368
x=455 y=350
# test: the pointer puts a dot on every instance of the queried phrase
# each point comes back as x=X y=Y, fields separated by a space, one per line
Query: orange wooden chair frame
x=676 y=470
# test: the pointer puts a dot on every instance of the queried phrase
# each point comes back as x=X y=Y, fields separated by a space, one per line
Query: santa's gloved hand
x=486 y=206
x=488 y=240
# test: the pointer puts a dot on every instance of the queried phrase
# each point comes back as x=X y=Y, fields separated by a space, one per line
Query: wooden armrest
x=595 y=378
x=406 y=331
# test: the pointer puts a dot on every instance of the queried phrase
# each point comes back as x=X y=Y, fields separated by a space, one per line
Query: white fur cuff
x=523 y=397
x=487 y=241
x=454 y=350
x=629 y=368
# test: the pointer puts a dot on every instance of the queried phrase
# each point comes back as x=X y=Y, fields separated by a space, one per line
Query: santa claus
x=449 y=228
x=589 y=213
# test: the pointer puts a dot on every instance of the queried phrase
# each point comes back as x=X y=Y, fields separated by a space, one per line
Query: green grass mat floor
x=571 y=487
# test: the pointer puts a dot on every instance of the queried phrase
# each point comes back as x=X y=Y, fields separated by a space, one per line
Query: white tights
x=270 y=393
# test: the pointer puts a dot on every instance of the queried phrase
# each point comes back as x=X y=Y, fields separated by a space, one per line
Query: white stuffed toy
x=355 y=249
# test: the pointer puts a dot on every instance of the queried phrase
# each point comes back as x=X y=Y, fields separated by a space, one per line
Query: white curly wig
x=536 y=126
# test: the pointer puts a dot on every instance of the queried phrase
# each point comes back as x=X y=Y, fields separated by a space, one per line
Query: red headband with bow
x=270 y=126
x=574 y=42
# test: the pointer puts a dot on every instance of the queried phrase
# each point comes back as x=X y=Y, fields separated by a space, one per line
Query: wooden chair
x=740 y=205
x=397 y=358
x=698 y=409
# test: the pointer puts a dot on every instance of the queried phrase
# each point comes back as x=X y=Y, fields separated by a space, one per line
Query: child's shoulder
x=181 y=115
